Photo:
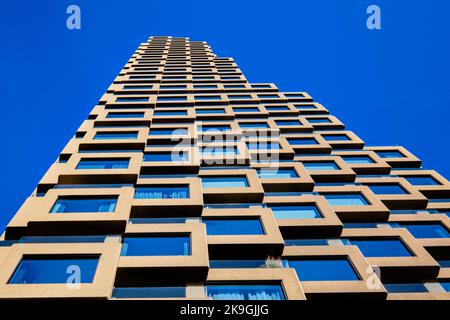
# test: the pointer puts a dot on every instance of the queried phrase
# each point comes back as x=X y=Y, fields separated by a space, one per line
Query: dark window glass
x=119 y=115
x=405 y=287
x=166 y=156
x=387 y=189
x=421 y=231
x=390 y=154
x=335 y=137
x=115 y=135
x=162 y=192
x=422 y=181
x=322 y=165
x=103 y=164
x=306 y=141
x=149 y=292
x=245 y=292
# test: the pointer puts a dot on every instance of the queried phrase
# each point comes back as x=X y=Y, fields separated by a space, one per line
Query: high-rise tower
x=187 y=181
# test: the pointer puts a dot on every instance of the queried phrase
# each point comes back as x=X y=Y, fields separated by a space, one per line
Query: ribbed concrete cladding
x=188 y=182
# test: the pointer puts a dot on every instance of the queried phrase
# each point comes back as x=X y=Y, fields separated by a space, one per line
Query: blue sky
x=391 y=87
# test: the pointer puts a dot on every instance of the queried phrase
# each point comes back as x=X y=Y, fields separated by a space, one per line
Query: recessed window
x=149 y=292
x=115 y=135
x=263 y=145
x=243 y=110
x=390 y=154
x=405 y=287
x=84 y=205
x=277 y=108
x=169 y=245
x=214 y=128
x=137 y=87
x=323 y=165
x=281 y=173
x=242 y=226
x=268 y=96
x=357 y=159
x=387 y=189
x=305 y=107
x=208 y=98
x=319 y=120
x=245 y=292
x=324 y=270
x=305 y=141
x=224 y=182
x=218 y=151
x=335 y=137
x=425 y=231
x=256 y=125
x=167 y=132
x=126 y=115
x=162 y=192
x=165 y=113
x=54 y=269
x=295 y=211
x=166 y=156
x=422 y=180
x=210 y=111
x=132 y=99
x=346 y=199
x=288 y=123
x=177 y=87
x=103 y=164
x=381 y=248
x=179 y=98
x=240 y=97
x=445 y=285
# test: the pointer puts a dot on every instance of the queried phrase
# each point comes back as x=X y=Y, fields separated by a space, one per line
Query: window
x=319 y=120
x=163 y=87
x=242 y=226
x=323 y=165
x=405 y=287
x=357 y=159
x=381 y=248
x=324 y=270
x=239 y=97
x=169 y=245
x=137 y=87
x=218 y=151
x=444 y=263
x=210 y=111
x=263 y=145
x=279 y=108
x=54 y=269
x=245 y=292
x=258 y=125
x=304 y=141
x=214 y=128
x=207 y=98
x=161 y=98
x=305 y=107
x=336 y=137
x=166 y=156
x=281 y=173
x=422 y=181
x=131 y=99
x=423 y=231
x=342 y=199
x=170 y=113
x=387 y=189
x=390 y=154
x=103 y=164
x=445 y=285
x=149 y=292
x=288 y=123
x=224 y=182
x=295 y=212
x=242 y=110
x=162 y=192
x=166 y=132
x=84 y=205
x=268 y=96
x=245 y=264
x=119 y=115
x=115 y=135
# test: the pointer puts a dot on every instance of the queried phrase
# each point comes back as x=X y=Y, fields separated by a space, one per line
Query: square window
x=390 y=154
x=381 y=248
x=387 y=189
